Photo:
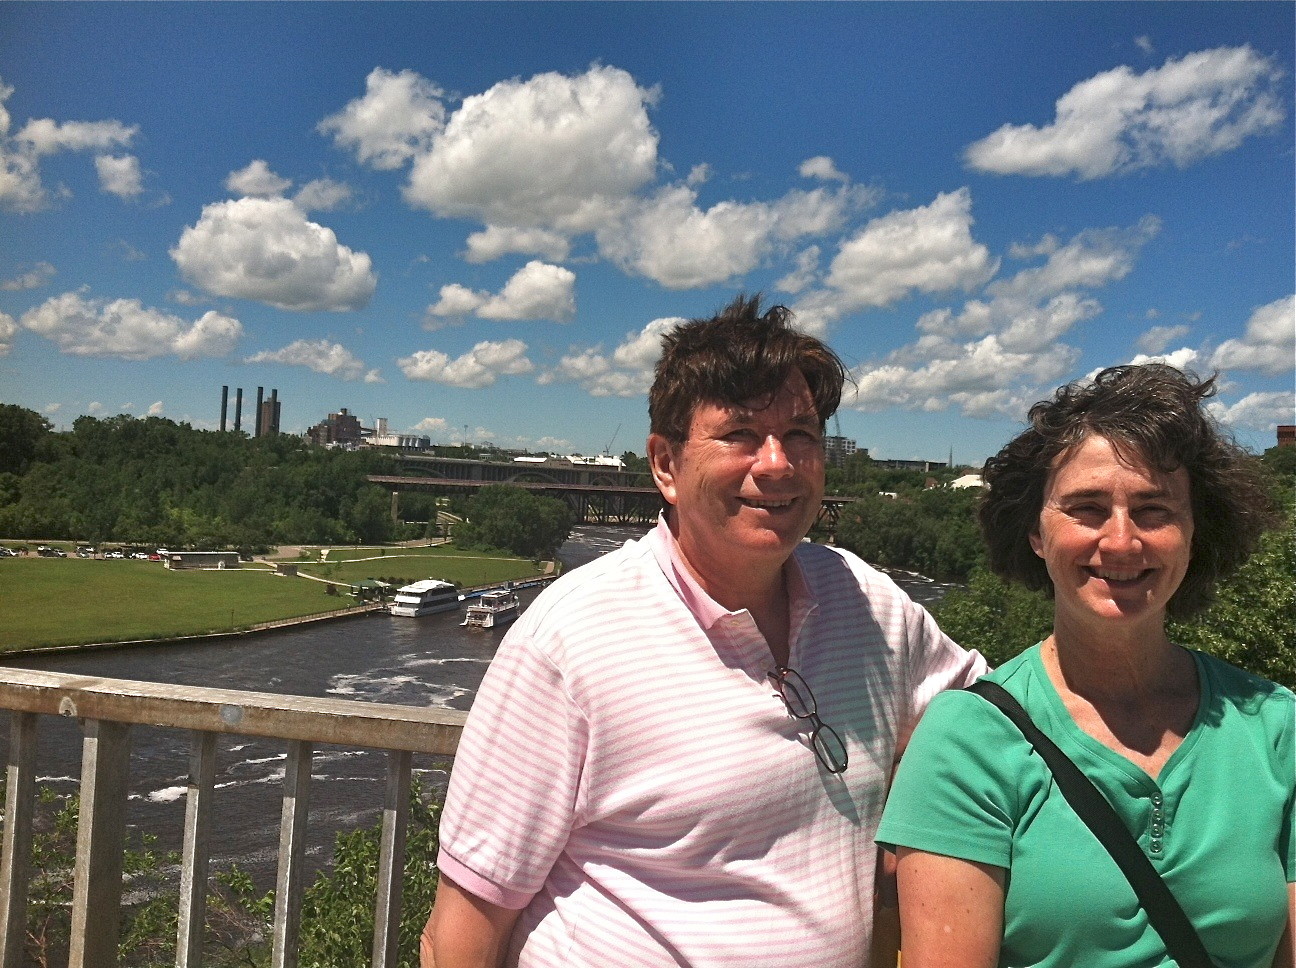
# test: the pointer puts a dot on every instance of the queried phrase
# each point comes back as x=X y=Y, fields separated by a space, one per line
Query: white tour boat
x=498 y=607
x=424 y=598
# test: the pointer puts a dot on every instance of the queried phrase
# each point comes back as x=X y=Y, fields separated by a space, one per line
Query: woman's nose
x=1119 y=533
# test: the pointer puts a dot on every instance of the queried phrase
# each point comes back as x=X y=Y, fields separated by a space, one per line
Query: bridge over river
x=591 y=503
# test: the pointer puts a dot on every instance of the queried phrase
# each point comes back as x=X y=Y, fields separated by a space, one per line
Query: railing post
x=391 y=860
x=292 y=855
x=101 y=834
x=15 y=865
x=193 y=870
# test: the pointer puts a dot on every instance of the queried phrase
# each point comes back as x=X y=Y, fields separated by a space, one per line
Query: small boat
x=493 y=608
x=425 y=598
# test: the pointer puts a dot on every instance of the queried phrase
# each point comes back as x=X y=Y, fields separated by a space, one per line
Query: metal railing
x=108 y=708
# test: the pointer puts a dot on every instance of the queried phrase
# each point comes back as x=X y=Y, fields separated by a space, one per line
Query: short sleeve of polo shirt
x=513 y=792
x=956 y=788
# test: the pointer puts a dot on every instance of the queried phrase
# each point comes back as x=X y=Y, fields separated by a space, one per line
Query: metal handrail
x=108 y=709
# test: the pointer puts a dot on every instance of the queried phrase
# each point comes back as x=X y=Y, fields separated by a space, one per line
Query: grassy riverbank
x=47 y=602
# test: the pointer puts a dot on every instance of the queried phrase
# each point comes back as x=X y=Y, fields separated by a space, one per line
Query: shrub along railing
x=108 y=708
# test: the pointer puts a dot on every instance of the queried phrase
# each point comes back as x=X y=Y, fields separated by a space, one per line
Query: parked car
x=114 y=554
x=141 y=555
x=7 y=552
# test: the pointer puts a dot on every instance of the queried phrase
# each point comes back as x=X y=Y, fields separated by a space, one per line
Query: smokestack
x=224 y=405
x=274 y=409
x=238 y=410
x=260 y=390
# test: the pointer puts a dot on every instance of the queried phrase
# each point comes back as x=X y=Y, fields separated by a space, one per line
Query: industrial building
x=266 y=414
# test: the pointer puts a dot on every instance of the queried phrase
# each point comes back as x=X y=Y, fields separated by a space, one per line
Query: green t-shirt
x=1218 y=823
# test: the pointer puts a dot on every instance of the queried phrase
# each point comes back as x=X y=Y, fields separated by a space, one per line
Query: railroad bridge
x=589 y=503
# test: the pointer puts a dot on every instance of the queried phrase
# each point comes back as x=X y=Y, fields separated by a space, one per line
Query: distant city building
x=838 y=449
x=382 y=437
x=1287 y=435
x=341 y=429
x=265 y=417
x=268 y=414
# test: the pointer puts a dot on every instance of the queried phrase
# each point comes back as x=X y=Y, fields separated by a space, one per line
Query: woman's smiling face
x=1115 y=535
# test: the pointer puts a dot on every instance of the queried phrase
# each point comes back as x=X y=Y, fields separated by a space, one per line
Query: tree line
x=154 y=482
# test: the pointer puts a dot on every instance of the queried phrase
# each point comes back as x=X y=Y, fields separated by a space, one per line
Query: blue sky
x=475 y=219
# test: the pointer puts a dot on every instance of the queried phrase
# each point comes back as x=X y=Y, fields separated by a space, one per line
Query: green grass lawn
x=71 y=601
x=67 y=601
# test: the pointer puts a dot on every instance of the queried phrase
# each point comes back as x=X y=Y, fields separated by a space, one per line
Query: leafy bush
x=337 y=909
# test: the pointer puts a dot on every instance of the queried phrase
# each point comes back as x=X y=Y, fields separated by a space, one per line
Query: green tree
x=1252 y=622
x=370 y=515
x=997 y=618
x=21 y=432
x=512 y=519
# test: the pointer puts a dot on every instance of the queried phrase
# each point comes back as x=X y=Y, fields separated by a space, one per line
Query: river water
x=430 y=661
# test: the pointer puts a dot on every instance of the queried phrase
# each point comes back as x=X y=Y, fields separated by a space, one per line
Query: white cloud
x=804 y=273
x=1269 y=344
x=1116 y=122
x=1003 y=350
x=35 y=277
x=396 y=119
x=457 y=300
x=267 y=250
x=94 y=407
x=155 y=409
x=47 y=137
x=1183 y=358
x=119 y=175
x=331 y=359
x=536 y=291
x=432 y=425
x=126 y=329
x=21 y=189
x=257 y=180
x=8 y=330
x=628 y=372
x=1256 y=411
x=322 y=195
x=1158 y=338
x=495 y=241
x=374 y=376
x=974 y=377
x=1093 y=258
x=926 y=249
x=669 y=239
x=821 y=167
x=699 y=174
x=554 y=151
x=479 y=367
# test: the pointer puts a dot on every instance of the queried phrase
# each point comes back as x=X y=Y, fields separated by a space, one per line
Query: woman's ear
x=662 y=458
x=1036 y=541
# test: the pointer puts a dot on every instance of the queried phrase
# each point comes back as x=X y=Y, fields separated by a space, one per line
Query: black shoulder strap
x=1091 y=806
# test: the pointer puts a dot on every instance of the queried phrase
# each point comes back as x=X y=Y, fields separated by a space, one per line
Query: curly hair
x=737 y=356
x=1152 y=412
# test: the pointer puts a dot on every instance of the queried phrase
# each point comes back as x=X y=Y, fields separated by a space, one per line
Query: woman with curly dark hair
x=1127 y=504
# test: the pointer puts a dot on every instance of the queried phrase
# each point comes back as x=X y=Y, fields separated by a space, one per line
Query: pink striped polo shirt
x=630 y=778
